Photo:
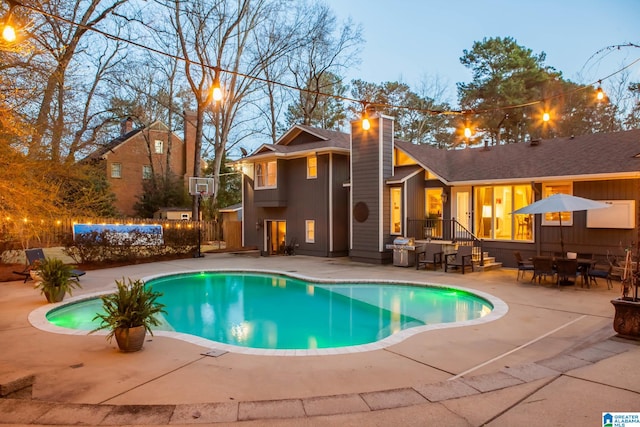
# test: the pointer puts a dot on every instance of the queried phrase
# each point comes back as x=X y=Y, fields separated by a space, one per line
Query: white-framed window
x=396 y=210
x=310 y=231
x=312 y=167
x=266 y=174
x=116 y=170
x=555 y=188
x=493 y=218
x=159 y=146
x=146 y=172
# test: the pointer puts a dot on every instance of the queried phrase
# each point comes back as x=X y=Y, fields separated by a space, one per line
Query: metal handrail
x=447 y=230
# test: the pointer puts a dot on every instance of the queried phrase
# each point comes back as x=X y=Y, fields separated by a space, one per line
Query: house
x=138 y=154
x=353 y=194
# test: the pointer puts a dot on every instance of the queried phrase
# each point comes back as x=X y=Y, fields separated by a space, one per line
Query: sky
x=416 y=40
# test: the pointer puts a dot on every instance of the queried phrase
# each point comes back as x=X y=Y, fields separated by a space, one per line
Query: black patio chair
x=566 y=271
x=523 y=266
x=462 y=258
x=542 y=268
x=33 y=257
x=429 y=254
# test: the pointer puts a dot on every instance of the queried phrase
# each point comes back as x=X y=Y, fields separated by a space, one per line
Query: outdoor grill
x=404 y=251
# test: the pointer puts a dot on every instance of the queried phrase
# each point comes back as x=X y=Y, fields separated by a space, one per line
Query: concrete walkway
x=553 y=359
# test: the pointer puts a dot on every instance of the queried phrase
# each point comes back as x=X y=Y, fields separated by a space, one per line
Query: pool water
x=279 y=312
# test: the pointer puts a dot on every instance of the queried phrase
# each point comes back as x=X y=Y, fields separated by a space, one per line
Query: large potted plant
x=54 y=279
x=626 y=321
x=129 y=313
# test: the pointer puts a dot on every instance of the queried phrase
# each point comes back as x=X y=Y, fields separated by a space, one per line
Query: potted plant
x=54 y=279
x=626 y=321
x=129 y=313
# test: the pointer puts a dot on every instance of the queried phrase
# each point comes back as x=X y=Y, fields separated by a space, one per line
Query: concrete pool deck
x=552 y=359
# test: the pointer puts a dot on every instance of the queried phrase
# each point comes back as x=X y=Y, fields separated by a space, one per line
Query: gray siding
x=367 y=180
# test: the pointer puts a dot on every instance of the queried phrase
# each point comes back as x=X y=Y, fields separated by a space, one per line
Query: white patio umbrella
x=560 y=203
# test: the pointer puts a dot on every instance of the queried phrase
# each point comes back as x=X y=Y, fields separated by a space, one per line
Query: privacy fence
x=17 y=234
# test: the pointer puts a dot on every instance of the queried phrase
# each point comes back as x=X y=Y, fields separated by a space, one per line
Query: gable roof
x=302 y=139
x=112 y=145
x=593 y=156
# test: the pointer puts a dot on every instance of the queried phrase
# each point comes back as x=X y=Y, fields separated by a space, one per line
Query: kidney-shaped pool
x=268 y=311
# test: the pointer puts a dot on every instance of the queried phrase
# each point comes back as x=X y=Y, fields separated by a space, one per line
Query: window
x=312 y=167
x=159 y=145
x=266 y=174
x=116 y=170
x=550 y=190
x=396 y=210
x=310 y=231
x=493 y=207
x=146 y=172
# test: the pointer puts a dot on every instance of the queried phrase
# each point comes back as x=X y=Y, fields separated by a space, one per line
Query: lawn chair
x=33 y=256
x=429 y=254
x=542 y=267
x=462 y=258
x=566 y=271
x=523 y=266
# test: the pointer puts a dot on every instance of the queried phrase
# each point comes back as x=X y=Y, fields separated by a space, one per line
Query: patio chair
x=542 y=268
x=462 y=258
x=600 y=272
x=566 y=271
x=523 y=266
x=429 y=254
x=33 y=256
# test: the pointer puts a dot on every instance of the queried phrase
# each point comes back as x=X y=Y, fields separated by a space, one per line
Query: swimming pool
x=248 y=310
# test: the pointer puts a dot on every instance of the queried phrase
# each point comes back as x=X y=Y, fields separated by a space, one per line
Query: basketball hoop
x=201 y=187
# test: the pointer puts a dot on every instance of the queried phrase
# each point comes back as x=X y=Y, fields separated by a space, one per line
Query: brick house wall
x=129 y=159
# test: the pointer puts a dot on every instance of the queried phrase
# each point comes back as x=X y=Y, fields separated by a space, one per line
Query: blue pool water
x=279 y=312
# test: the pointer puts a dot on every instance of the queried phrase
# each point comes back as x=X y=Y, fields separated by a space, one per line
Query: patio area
x=553 y=359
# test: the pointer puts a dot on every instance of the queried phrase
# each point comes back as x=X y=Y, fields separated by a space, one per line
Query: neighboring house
x=339 y=194
x=138 y=154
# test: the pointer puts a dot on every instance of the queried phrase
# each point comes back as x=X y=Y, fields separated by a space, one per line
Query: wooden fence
x=55 y=233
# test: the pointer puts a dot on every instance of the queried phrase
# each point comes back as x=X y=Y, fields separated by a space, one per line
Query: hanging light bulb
x=9 y=33
x=216 y=92
x=366 y=124
x=599 y=92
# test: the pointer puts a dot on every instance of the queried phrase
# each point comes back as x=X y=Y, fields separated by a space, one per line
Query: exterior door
x=276 y=237
x=462 y=208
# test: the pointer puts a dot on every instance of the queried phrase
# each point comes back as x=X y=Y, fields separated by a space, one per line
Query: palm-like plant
x=55 y=278
x=132 y=305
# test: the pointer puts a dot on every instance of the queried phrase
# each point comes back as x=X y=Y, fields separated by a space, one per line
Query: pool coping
x=37 y=317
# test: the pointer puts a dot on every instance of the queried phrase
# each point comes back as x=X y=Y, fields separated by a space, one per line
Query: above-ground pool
x=274 y=311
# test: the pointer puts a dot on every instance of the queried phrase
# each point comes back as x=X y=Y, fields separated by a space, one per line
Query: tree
x=417 y=118
x=312 y=109
x=505 y=74
x=315 y=68
x=161 y=191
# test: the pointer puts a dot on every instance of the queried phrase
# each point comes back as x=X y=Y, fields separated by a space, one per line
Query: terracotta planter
x=55 y=295
x=130 y=339
x=626 y=321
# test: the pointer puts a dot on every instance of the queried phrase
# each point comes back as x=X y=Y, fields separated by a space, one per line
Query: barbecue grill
x=404 y=251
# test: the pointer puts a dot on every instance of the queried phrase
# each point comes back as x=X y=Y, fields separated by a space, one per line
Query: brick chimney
x=190 y=121
x=126 y=126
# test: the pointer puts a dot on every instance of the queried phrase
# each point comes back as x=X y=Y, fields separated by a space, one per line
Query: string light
x=8 y=32
x=315 y=92
x=545 y=116
x=599 y=92
x=467 y=132
x=216 y=91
